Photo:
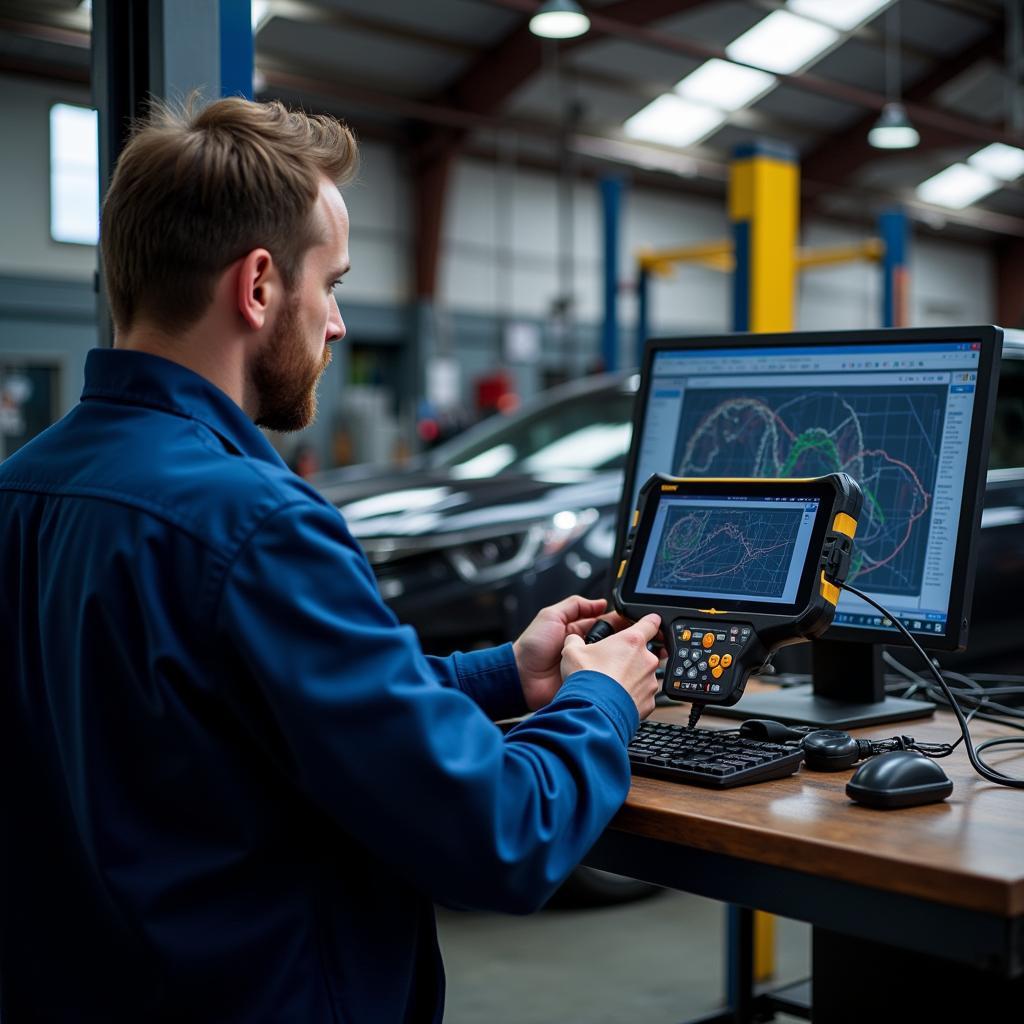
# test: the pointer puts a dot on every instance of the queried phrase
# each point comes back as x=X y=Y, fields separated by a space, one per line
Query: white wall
x=26 y=249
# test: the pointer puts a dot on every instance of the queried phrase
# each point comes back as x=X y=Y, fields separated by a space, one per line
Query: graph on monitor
x=729 y=552
x=885 y=437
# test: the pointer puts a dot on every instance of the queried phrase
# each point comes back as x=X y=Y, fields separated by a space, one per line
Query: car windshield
x=574 y=436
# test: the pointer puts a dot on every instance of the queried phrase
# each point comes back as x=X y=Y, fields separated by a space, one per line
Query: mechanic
x=232 y=782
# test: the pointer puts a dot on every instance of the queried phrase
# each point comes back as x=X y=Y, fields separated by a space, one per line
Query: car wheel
x=591 y=887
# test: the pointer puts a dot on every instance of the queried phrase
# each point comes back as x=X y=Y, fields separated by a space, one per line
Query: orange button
x=717 y=672
x=685 y=635
x=709 y=639
x=713 y=660
x=726 y=660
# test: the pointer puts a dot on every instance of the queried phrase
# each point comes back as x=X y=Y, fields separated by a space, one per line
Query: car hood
x=438 y=502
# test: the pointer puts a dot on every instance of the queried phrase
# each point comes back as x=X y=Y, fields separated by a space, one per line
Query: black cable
x=984 y=770
x=982 y=694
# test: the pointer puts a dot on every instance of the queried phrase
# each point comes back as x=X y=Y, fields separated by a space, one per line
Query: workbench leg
x=739 y=960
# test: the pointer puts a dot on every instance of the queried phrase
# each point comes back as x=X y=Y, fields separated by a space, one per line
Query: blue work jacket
x=231 y=784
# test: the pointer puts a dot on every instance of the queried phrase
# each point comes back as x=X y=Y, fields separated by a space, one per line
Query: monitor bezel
x=988 y=337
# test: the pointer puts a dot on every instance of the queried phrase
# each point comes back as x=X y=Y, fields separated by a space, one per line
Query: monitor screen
x=896 y=410
x=734 y=552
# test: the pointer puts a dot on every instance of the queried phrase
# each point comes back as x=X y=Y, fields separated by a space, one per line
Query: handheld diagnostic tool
x=736 y=569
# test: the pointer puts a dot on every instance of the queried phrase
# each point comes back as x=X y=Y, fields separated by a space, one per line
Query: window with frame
x=74 y=175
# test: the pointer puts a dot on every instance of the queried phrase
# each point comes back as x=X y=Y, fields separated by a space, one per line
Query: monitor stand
x=847 y=692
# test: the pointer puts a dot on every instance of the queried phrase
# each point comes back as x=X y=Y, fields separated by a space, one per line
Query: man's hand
x=538 y=651
x=624 y=657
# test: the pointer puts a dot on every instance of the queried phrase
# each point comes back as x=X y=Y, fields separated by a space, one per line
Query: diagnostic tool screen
x=751 y=550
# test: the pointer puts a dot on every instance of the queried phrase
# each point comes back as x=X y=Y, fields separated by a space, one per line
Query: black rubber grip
x=599 y=631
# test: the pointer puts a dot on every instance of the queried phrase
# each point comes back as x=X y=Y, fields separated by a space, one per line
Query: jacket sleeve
x=411 y=768
x=489 y=677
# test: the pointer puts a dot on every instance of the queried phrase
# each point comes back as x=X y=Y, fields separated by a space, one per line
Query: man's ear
x=258 y=287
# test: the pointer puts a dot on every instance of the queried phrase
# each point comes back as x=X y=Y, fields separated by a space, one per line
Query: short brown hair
x=195 y=190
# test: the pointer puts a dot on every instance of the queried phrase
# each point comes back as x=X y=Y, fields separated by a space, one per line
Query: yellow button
x=709 y=639
x=685 y=635
x=713 y=660
x=726 y=660
x=717 y=672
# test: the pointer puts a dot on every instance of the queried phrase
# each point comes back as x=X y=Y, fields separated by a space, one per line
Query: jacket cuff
x=490 y=678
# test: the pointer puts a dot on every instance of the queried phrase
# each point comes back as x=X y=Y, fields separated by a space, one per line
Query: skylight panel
x=727 y=86
x=1001 y=161
x=782 y=43
x=957 y=186
x=673 y=121
x=841 y=14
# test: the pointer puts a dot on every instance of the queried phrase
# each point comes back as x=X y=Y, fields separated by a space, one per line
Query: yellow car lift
x=762 y=255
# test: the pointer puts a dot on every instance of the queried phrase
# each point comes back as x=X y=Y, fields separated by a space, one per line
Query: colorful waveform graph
x=734 y=552
x=887 y=438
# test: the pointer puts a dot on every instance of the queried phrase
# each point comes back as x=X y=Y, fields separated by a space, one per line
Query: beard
x=285 y=376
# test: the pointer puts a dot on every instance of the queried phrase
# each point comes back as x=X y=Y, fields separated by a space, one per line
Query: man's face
x=288 y=367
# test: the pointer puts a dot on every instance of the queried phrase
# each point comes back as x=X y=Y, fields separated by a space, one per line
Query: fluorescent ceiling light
x=1003 y=162
x=841 y=14
x=559 y=19
x=957 y=186
x=673 y=121
x=724 y=85
x=782 y=43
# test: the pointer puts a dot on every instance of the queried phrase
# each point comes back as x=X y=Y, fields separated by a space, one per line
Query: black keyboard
x=709 y=757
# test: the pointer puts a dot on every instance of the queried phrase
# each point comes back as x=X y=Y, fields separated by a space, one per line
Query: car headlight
x=492 y=558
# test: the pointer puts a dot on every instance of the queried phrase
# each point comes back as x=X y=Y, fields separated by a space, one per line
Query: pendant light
x=559 y=19
x=893 y=129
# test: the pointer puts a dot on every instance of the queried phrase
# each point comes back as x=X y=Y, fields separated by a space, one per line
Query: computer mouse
x=899 y=778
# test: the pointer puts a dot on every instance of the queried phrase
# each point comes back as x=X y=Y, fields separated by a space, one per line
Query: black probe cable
x=984 y=770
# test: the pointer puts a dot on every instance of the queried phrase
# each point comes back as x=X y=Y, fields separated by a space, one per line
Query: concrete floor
x=654 y=961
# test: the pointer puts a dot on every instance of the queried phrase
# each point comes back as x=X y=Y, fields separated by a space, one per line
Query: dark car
x=520 y=511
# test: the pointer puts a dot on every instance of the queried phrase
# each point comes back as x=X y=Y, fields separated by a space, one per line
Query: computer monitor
x=906 y=412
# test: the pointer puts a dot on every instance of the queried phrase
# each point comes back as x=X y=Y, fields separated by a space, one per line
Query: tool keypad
x=705 y=658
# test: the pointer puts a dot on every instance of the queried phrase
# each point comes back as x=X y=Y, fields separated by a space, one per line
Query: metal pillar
x=643 y=311
x=611 y=205
x=236 y=48
x=764 y=204
x=892 y=226
x=163 y=49
x=764 y=195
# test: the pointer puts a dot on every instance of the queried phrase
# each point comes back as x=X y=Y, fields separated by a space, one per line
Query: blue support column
x=643 y=311
x=236 y=48
x=893 y=228
x=611 y=205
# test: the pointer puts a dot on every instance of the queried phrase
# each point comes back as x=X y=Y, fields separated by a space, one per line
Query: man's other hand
x=623 y=656
x=538 y=651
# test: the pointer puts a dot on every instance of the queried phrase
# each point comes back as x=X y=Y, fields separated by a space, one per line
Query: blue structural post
x=236 y=48
x=892 y=226
x=643 y=312
x=611 y=205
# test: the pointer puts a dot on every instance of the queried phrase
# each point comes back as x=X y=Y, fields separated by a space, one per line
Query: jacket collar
x=138 y=378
